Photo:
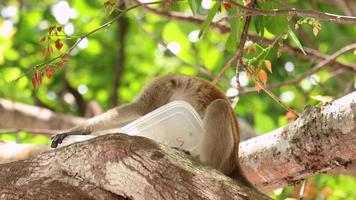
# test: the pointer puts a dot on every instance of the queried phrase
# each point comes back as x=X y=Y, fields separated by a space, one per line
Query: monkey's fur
x=221 y=137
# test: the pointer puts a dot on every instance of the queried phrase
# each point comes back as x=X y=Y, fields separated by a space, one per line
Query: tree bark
x=319 y=140
x=22 y=116
x=117 y=166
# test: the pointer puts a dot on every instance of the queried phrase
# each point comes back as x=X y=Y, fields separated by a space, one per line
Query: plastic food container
x=175 y=124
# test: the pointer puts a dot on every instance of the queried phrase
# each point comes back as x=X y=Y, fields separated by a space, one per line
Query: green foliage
x=236 y=26
x=93 y=66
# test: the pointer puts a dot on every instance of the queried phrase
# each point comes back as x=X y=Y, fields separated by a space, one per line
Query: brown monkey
x=221 y=137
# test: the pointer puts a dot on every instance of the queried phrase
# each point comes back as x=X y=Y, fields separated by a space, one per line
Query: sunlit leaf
x=209 y=18
x=194 y=6
x=260 y=25
x=235 y=31
x=323 y=99
x=296 y=40
x=268 y=65
x=315 y=31
x=263 y=76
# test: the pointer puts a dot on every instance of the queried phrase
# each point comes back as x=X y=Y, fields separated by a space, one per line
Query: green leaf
x=260 y=25
x=296 y=40
x=209 y=18
x=194 y=5
x=274 y=24
x=235 y=31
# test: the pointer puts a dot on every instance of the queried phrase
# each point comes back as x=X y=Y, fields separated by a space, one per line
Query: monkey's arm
x=115 y=117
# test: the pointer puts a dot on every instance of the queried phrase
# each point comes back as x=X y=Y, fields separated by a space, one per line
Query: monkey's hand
x=58 y=138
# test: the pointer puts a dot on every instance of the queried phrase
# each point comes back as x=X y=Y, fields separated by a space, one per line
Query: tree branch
x=312 y=54
x=22 y=116
x=118 y=166
x=302 y=148
x=341 y=19
x=282 y=157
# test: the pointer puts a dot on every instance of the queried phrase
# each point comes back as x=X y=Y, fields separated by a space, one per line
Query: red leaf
x=38 y=77
x=254 y=50
x=58 y=44
x=251 y=69
x=42 y=39
x=263 y=76
x=48 y=72
x=227 y=6
x=59 y=63
x=51 y=28
x=59 y=28
x=257 y=86
x=248 y=49
x=34 y=82
x=268 y=65
x=49 y=49
x=65 y=57
x=290 y=116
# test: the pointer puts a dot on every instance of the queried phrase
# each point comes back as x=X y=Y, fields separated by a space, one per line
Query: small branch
x=316 y=68
x=312 y=54
x=341 y=19
x=238 y=56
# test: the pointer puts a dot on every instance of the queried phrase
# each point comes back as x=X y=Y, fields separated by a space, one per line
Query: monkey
x=220 y=145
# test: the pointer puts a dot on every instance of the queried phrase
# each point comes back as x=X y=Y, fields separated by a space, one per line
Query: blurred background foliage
x=154 y=46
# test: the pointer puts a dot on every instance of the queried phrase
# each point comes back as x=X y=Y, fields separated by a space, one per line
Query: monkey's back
x=197 y=92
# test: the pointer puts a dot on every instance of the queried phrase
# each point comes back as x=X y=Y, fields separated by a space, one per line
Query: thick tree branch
x=302 y=148
x=117 y=166
x=22 y=116
x=282 y=157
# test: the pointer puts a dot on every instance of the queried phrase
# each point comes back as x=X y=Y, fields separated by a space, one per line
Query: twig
x=341 y=19
x=107 y=24
x=269 y=93
x=316 y=68
x=238 y=56
x=312 y=54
